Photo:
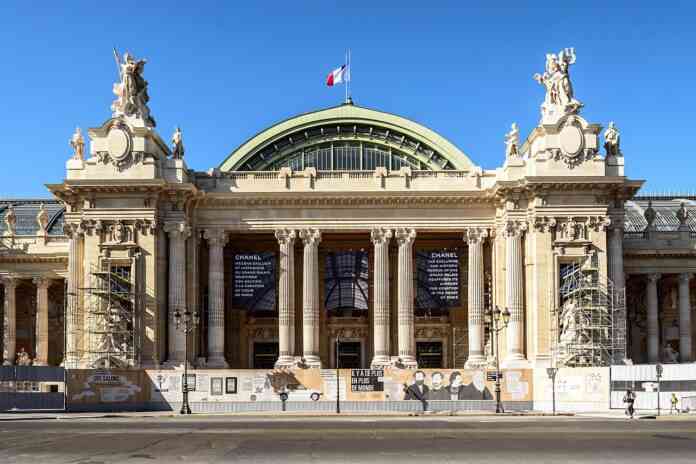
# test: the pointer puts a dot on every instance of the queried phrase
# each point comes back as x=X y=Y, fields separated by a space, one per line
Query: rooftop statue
x=131 y=91
x=177 y=144
x=77 y=142
x=612 y=138
x=560 y=99
x=512 y=142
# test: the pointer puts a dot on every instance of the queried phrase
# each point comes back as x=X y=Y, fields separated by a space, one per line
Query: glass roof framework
x=345 y=147
x=346 y=280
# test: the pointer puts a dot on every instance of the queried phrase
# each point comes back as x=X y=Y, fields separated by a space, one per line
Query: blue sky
x=225 y=72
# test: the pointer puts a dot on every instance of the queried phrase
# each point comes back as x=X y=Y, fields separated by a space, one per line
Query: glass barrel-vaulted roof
x=347 y=138
x=26 y=212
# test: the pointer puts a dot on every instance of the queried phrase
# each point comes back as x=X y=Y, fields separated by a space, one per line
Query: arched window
x=346 y=281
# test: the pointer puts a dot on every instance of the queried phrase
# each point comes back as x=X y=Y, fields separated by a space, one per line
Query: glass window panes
x=346 y=281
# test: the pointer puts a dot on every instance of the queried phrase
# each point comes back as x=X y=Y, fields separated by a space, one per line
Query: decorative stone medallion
x=571 y=141
x=118 y=144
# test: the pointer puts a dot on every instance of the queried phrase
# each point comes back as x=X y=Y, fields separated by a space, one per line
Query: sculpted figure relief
x=131 y=91
x=77 y=142
x=512 y=141
x=560 y=98
x=612 y=138
x=177 y=145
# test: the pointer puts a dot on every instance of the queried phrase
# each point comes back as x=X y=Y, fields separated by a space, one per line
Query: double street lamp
x=498 y=320
x=186 y=322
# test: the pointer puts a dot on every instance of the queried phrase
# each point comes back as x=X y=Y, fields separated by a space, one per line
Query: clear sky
x=225 y=72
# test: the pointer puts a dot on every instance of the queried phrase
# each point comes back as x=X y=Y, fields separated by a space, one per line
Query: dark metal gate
x=32 y=388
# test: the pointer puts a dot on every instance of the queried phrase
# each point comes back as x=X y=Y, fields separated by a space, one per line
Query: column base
x=380 y=362
x=285 y=362
x=515 y=361
x=405 y=362
x=8 y=363
x=476 y=361
x=175 y=364
x=311 y=361
x=216 y=362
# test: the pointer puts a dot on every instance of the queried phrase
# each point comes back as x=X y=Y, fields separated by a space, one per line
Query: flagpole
x=348 y=74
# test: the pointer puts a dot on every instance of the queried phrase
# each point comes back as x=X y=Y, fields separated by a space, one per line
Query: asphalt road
x=423 y=440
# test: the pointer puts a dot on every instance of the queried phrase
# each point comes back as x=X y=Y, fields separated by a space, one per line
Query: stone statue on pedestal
x=177 y=144
x=512 y=142
x=77 y=142
x=612 y=138
x=669 y=354
x=131 y=91
x=23 y=358
x=682 y=214
x=42 y=219
x=560 y=98
x=10 y=220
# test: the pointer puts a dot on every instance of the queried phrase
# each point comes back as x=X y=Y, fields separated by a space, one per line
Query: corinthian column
x=286 y=298
x=310 y=297
x=475 y=237
x=217 y=238
x=178 y=233
x=380 y=311
x=616 y=257
x=10 y=322
x=514 y=289
x=685 y=346
x=653 y=327
x=72 y=311
x=407 y=343
x=41 y=358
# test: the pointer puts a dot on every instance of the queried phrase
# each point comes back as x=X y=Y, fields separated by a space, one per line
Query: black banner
x=366 y=380
x=438 y=275
x=254 y=281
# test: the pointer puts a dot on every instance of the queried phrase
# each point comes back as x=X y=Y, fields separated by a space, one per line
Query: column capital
x=475 y=235
x=42 y=282
x=685 y=277
x=310 y=236
x=9 y=282
x=178 y=229
x=405 y=236
x=285 y=236
x=73 y=229
x=380 y=236
x=654 y=277
x=215 y=237
x=514 y=227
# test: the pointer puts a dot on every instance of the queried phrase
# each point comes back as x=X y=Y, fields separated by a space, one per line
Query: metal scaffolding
x=112 y=326
x=589 y=326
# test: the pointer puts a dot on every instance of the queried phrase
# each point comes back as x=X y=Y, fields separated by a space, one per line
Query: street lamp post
x=338 y=393
x=658 y=374
x=186 y=323
x=551 y=372
x=496 y=317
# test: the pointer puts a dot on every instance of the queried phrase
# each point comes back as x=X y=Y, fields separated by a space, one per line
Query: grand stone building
x=348 y=223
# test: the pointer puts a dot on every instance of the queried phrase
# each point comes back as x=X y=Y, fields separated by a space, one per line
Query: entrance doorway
x=429 y=355
x=265 y=355
x=349 y=355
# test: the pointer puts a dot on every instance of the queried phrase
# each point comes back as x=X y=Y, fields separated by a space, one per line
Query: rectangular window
x=349 y=355
x=265 y=355
x=429 y=355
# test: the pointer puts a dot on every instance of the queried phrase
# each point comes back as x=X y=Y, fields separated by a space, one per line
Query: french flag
x=338 y=76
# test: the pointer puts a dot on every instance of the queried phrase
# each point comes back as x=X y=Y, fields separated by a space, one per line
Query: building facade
x=348 y=224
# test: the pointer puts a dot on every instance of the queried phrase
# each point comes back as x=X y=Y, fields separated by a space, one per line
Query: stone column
x=178 y=233
x=653 y=324
x=72 y=311
x=217 y=239
x=514 y=290
x=685 y=344
x=42 y=284
x=380 y=311
x=475 y=296
x=407 y=343
x=10 y=323
x=616 y=257
x=310 y=297
x=286 y=298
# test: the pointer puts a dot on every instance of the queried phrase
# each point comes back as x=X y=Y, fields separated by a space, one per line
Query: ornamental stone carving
x=77 y=142
x=612 y=138
x=572 y=149
x=119 y=148
x=475 y=235
x=512 y=142
x=42 y=219
x=177 y=144
x=599 y=223
x=10 y=221
x=545 y=223
x=431 y=332
x=514 y=227
x=131 y=90
x=344 y=333
x=559 y=99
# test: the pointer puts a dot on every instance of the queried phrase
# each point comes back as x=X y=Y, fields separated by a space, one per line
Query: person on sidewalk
x=673 y=404
x=629 y=398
